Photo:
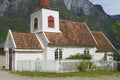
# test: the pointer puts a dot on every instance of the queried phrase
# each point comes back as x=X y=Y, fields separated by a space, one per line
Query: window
x=58 y=54
x=86 y=51
x=36 y=23
x=51 y=21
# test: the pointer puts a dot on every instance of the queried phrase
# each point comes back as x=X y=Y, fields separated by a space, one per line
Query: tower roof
x=44 y=3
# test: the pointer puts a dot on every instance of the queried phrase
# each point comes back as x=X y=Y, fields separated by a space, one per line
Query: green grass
x=70 y=74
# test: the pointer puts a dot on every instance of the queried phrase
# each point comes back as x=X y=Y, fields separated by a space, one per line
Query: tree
x=116 y=29
x=116 y=56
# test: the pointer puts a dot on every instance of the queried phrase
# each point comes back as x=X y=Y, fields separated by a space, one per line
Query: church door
x=10 y=59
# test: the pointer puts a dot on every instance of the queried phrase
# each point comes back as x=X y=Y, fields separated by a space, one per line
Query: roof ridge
x=103 y=42
x=21 y=32
x=71 y=21
x=26 y=40
x=96 y=31
x=107 y=39
x=91 y=33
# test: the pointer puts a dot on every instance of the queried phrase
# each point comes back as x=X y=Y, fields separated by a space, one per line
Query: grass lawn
x=70 y=74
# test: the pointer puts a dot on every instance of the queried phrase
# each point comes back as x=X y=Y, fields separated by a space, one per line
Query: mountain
x=115 y=17
x=22 y=8
x=14 y=14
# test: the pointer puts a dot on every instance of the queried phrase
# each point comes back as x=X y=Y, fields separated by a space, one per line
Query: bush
x=85 y=66
x=81 y=66
x=80 y=56
x=85 y=56
x=116 y=56
x=3 y=67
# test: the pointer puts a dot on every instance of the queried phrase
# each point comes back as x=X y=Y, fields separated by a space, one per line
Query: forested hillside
x=14 y=15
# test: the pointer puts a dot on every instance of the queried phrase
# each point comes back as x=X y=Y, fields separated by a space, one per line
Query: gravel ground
x=8 y=76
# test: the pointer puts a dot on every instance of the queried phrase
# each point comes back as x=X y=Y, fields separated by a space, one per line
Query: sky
x=111 y=7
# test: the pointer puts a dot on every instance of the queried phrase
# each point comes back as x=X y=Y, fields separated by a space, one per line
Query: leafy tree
x=15 y=24
x=116 y=56
x=116 y=29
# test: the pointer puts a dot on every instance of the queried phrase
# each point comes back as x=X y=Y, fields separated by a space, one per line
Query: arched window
x=86 y=51
x=51 y=21
x=58 y=54
x=36 y=23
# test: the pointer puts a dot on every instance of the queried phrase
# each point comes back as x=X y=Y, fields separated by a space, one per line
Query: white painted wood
x=42 y=15
x=27 y=56
x=67 y=51
x=100 y=55
x=44 y=41
x=58 y=66
x=9 y=44
x=109 y=57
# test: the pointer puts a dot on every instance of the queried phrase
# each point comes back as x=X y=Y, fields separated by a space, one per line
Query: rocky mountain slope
x=115 y=17
x=22 y=8
x=76 y=7
x=14 y=14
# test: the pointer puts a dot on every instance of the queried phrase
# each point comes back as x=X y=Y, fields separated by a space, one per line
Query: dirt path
x=7 y=76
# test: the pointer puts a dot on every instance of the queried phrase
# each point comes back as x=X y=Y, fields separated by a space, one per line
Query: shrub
x=85 y=66
x=80 y=56
x=116 y=56
x=81 y=66
x=85 y=56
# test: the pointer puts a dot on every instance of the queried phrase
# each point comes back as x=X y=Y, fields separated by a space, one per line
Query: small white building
x=51 y=38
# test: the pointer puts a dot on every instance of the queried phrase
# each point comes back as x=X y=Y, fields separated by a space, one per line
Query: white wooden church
x=51 y=38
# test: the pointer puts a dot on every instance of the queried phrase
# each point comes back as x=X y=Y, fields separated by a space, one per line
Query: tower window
x=58 y=54
x=51 y=21
x=36 y=23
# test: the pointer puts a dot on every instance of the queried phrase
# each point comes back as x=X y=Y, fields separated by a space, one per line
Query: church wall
x=45 y=14
x=8 y=45
x=42 y=16
x=109 y=57
x=34 y=15
x=100 y=56
x=42 y=39
x=28 y=56
x=67 y=51
x=7 y=60
x=44 y=42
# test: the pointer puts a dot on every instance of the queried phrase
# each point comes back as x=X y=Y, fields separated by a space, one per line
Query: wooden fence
x=59 y=66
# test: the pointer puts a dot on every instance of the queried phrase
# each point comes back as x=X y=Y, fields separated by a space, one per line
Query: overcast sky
x=111 y=7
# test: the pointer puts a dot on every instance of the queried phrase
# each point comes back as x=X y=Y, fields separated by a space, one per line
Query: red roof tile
x=103 y=43
x=26 y=41
x=57 y=39
x=73 y=33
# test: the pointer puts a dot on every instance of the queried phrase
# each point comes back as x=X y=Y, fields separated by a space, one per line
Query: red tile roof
x=103 y=43
x=57 y=39
x=26 y=41
x=73 y=33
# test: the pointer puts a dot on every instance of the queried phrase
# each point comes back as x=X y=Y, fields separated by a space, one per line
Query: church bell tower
x=44 y=3
x=44 y=19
